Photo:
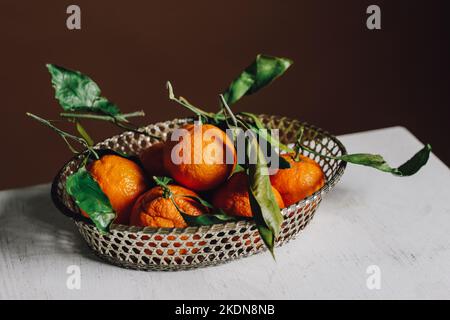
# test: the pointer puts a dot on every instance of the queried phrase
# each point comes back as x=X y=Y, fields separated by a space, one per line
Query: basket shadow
x=30 y=225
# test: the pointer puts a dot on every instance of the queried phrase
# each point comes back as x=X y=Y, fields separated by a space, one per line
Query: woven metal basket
x=192 y=247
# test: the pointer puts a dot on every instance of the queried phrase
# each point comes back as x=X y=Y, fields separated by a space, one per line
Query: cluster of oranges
x=125 y=183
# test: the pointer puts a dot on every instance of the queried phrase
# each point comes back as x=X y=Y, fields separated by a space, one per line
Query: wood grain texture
x=370 y=218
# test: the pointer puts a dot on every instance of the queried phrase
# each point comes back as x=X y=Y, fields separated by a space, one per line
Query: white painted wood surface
x=402 y=225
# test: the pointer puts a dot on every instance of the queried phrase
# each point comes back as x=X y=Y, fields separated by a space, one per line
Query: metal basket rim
x=192 y=229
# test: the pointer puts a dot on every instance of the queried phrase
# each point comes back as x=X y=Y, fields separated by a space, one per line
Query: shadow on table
x=31 y=225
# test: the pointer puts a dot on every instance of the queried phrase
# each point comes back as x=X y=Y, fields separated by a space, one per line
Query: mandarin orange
x=152 y=160
x=233 y=196
x=301 y=180
x=201 y=158
x=152 y=209
x=121 y=180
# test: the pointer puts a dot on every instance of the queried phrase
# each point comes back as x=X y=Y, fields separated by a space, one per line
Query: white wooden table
x=400 y=225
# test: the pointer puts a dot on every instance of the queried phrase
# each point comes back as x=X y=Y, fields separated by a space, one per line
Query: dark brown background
x=345 y=78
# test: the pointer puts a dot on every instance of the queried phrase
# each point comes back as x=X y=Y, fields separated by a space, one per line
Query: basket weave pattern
x=186 y=248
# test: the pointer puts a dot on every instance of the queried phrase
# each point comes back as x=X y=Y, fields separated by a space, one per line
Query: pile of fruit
x=163 y=187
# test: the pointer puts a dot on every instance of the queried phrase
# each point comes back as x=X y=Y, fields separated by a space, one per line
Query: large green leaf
x=266 y=212
x=376 y=161
x=77 y=92
x=259 y=74
x=90 y=198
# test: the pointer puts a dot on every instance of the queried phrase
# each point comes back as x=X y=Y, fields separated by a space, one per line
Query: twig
x=102 y=117
x=65 y=135
x=119 y=120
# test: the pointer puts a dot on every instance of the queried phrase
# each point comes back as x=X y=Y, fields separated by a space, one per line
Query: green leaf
x=414 y=164
x=259 y=129
x=371 y=160
x=83 y=133
x=266 y=212
x=238 y=169
x=264 y=135
x=259 y=74
x=201 y=201
x=256 y=120
x=273 y=141
x=282 y=162
x=107 y=107
x=298 y=143
x=267 y=237
x=219 y=216
x=77 y=92
x=376 y=161
x=207 y=219
x=162 y=181
x=90 y=198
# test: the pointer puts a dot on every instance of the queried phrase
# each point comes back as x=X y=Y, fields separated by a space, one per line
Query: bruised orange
x=121 y=180
x=152 y=160
x=201 y=157
x=153 y=210
x=301 y=180
x=233 y=196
